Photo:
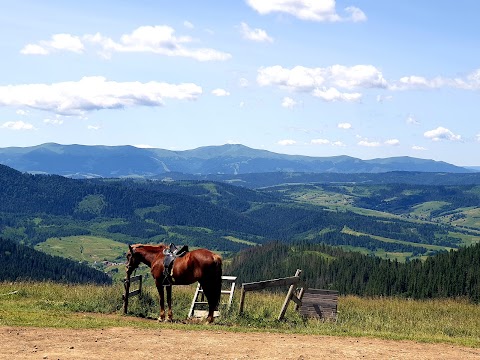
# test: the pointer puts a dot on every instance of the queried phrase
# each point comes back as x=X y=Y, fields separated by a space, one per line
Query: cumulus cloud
x=318 y=10
x=333 y=94
x=383 y=98
x=220 y=92
x=418 y=148
x=441 y=133
x=344 y=126
x=258 y=35
x=392 y=142
x=160 y=39
x=323 y=83
x=369 y=143
x=93 y=127
x=58 y=42
x=319 y=141
x=289 y=103
x=17 y=125
x=286 y=142
x=94 y=93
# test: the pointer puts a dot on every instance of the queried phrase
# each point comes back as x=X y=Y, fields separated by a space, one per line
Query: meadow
x=47 y=304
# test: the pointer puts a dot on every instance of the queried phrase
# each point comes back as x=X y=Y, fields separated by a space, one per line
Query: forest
x=448 y=274
x=402 y=223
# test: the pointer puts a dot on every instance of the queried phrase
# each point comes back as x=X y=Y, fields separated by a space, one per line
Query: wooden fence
x=260 y=285
x=127 y=294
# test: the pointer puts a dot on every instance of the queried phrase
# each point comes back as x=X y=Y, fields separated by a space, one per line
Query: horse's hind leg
x=169 y=303
x=212 y=299
x=162 y=300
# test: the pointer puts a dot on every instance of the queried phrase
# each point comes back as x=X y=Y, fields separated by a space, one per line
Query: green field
x=55 y=305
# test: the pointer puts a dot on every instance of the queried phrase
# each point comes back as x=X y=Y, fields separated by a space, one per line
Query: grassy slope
x=86 y=306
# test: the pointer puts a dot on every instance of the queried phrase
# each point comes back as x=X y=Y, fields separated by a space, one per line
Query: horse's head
x=133 y=260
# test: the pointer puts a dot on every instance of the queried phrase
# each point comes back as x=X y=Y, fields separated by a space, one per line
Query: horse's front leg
x=169 y=303
x=162 y=300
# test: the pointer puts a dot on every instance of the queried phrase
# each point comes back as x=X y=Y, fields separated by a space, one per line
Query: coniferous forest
x=448 y=274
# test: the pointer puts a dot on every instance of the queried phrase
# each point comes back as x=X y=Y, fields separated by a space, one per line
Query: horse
x=200 y=265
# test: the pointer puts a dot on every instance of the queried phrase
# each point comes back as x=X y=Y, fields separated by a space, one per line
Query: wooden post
x=242 y=300
x=289 y=296
x=300 y=296
x=126 y=284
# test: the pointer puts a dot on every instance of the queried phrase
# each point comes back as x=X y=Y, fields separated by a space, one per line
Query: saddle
x=171 y=253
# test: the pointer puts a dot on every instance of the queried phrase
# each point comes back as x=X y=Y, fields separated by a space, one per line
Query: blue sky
x=369 y=79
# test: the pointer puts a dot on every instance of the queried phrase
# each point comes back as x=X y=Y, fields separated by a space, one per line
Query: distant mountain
x=125 y=161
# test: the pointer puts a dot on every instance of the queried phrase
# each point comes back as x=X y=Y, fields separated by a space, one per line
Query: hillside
x=128 y=161
x=20 y=262
x=227 y=218
x=448 y=274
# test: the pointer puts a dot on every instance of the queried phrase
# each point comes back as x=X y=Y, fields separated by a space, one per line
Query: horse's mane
x=149 y=248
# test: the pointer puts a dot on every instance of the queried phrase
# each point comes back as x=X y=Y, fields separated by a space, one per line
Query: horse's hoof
x=160 y=319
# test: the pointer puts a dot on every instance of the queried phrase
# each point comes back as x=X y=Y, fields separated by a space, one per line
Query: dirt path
x=131 y=343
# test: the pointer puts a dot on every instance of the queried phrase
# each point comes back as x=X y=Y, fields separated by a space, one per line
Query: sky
x=363 y=78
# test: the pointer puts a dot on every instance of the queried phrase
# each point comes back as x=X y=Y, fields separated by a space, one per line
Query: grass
x=88 y=306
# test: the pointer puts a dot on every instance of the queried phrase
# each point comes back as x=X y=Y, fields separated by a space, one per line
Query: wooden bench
x=319 y=303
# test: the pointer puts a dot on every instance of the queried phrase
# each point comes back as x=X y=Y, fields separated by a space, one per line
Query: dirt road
x=132 y=343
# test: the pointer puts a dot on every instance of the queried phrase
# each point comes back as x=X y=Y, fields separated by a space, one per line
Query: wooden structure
x=127 y=294
x=319 y=303
x=199 y=298
x=260 y=285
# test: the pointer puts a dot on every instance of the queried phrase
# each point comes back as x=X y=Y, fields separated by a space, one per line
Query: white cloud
x=58 y=42
x=392 y=142
x=344 y=126
x=289 y=103
x=383 y=98
x=94 y=93
x=17 y=125
x=369 y=143
x=286 y=142
x=21 y=112
x=441 y=133
x=312 y=10
x=243 y=82
x=160 y=39
x=333 y=94
x=338 y=143
x=220 y=92
x=188 y=24
x=144 y=146
x=320 y=142
x=418 y=148
x=258 y=35
x=93 y=127
x=469 y=82
x=56 y=121
x=411 y=120
x=323 y=82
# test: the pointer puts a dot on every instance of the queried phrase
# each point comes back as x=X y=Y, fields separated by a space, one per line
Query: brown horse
x=200 y=265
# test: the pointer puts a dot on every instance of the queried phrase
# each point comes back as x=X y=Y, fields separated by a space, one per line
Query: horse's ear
x=130 y=248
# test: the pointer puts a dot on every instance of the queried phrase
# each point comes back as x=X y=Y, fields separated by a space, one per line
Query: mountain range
x=92 y=161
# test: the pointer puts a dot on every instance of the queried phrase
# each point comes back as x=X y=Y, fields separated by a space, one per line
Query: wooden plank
x=229 y=278
x=290 y=293
x=134 y=293
x=260 y=285
x=319 y=303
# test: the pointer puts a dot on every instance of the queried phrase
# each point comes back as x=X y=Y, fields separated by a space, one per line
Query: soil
x=133 y=343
